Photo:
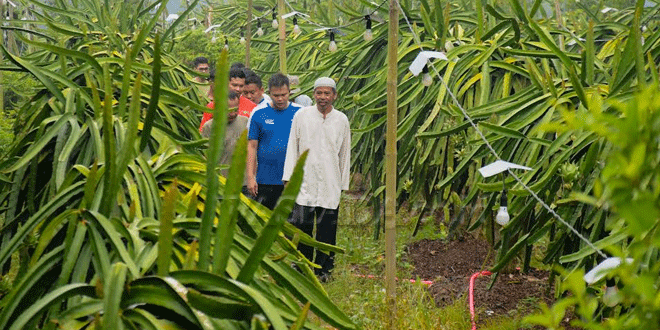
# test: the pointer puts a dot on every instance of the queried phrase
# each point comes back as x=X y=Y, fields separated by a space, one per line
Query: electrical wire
x=353 y=22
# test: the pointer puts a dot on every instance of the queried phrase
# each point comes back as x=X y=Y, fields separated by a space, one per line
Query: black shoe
x=295 y=266
x=324 y=278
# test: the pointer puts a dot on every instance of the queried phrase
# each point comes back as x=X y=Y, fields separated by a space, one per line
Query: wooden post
x=560 y=25
x=208 y=17
x=2 y=40
x=11 y=41
x=248 y=34
x=480 y=21
x=187 y=21
x=391 y=162
x=282 y=28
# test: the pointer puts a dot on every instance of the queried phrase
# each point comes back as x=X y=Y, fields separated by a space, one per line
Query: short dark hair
x=232 y=95
x=236 y=73
x=212 y=75
x=253 y=79
x=248 y=72
x=278 y=80
x=200 y=60
x=237 y=65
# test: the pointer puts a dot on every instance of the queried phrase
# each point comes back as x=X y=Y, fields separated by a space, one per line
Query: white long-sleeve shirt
x=328 y=162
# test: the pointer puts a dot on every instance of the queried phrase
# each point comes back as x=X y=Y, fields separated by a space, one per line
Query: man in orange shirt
x=236 y=84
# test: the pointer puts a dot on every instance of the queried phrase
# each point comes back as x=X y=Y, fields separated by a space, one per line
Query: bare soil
x=450 y=265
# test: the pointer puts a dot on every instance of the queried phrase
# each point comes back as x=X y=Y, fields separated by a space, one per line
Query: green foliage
x=516 y=80
x=107 y=157
x=513 y=80
x=195 y=42
x=6 y=130
x=18 y=87
x=85 y=201
x=431 y=229
x=628 y=187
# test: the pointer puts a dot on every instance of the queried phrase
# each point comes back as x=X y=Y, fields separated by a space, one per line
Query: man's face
x=324 y=97
x=280 y=96
x=202 y=68
x=233 y=110
x=253 y=93
x=236 y=84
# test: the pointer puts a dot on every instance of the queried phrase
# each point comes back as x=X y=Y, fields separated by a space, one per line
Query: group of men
x=279 y=131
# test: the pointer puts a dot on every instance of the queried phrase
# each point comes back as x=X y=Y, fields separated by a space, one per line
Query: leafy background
x=521 y=70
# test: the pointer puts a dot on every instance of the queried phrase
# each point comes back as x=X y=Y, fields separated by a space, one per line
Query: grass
x=364 y=299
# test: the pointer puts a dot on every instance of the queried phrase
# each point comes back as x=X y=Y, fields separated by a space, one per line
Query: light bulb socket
x=258 y=24
x=295 y=20
x=503 y=199
x=368 y=19
x=274 y=13
x=332 y=36
x=425 y=69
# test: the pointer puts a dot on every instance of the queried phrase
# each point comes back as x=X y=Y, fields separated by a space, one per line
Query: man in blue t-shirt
x=268 y=135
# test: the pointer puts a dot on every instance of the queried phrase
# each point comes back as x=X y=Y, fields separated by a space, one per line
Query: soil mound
x=450 y=264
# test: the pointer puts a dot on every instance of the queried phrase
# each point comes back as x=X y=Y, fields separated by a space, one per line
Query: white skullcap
x=303 y=100
x=325 y=82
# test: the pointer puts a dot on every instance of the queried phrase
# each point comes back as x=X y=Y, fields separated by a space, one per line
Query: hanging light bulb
x=611 y=297
x=427 y=80
x=368 y=35
x=449 y=45
x=503 y=215
x=296 y=28
x=242 y=41
x=333 y=45
x=260 y=31
x=275 y=25
x=226 y=44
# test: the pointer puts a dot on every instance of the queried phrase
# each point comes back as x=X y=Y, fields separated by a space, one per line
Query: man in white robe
x=326 y=133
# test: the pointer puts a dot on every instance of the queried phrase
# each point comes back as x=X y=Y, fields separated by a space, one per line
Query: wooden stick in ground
x=248 y=34
x=2 y=86
x=391 y=162
x=282 y=27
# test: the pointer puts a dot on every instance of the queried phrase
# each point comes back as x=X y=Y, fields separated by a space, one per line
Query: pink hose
x=471 y=295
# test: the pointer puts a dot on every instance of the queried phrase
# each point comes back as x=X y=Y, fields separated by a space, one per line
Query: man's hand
x=252 y=186
x=251 y=167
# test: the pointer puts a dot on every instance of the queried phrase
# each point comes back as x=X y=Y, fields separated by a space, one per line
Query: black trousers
x=267 y=194
x=326 y=232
